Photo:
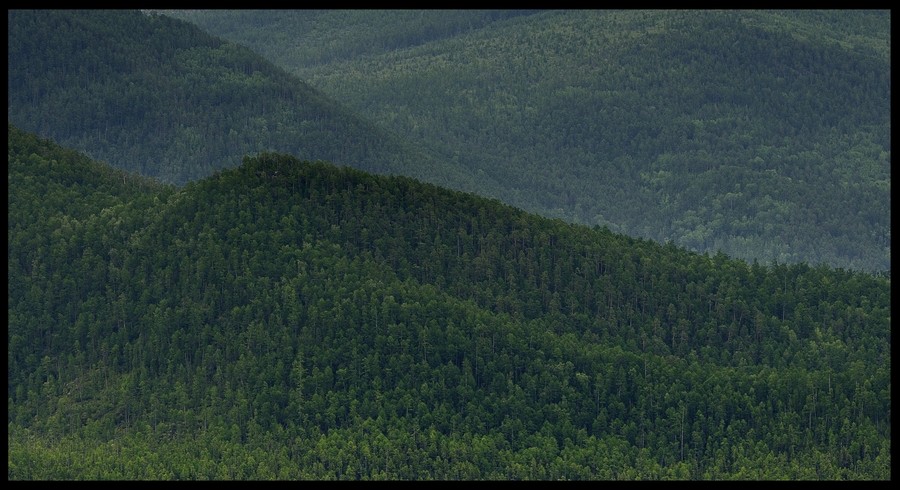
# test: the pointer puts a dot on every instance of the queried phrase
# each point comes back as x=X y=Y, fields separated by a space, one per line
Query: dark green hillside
x=289 y=319
x=765 y=134
x=158 y=96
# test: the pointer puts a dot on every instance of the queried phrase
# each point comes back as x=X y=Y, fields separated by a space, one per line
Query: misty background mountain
x=154 y=95
x=765 y=134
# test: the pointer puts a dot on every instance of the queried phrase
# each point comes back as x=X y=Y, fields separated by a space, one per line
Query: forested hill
x=291 y=319
x=765 y=134
x=307 y=37
x=156 y=95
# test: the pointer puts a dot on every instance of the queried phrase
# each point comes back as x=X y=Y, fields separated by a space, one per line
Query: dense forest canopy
x=764 y=134
x=155 y=95
x=288 y=319
x=312 y=37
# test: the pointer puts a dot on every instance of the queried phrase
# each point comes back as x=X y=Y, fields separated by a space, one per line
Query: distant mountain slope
x=298 y=320
x=311 y=37
x=158 y=96
x=765 y=134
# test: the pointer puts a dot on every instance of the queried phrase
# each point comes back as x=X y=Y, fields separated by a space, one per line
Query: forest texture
x=288 y=319
x=761 y=133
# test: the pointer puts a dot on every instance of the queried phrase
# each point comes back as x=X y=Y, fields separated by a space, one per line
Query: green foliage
x=764 y=134
x=157 y=96
x=289 y=319
x=312 y=37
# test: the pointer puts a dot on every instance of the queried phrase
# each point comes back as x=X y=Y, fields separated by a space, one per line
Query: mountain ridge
x=288 y=319
x=158 y=96
x=670 y=125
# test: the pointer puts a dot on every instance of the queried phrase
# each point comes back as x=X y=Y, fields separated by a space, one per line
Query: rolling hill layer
x=289 y=319
x=764 y=134
x=154 y=95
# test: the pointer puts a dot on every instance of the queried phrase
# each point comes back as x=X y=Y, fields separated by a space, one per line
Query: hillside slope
x=158 y=96
x=289 y=319
x=764 y=134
